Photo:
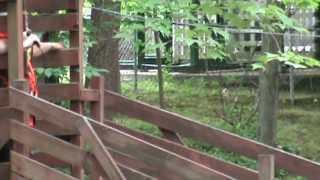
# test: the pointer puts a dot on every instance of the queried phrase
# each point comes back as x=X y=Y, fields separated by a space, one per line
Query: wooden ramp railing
x=216 y=137
x=66 y=119
x=99 y=140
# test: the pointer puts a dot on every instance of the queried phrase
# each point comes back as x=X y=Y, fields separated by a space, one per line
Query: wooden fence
x=95 y=146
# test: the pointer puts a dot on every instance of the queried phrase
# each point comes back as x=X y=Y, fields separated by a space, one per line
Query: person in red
x=29 y=40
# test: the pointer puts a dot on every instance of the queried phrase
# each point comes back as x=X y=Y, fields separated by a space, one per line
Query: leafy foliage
x=288 y=58
x=202 y=15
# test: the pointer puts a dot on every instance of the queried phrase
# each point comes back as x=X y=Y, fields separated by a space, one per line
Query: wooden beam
x=69 y=120
x=189 y=128
x=124 y=143
x=3 y=60
x=54 y=130
x=50 y=5
x=15 y=39
x=97 y=108
x=166 y=162
x=5 y=114
x=56 y=92
x=76 y=39
x=64 y=57
x=132 y=174
x=52 y=146
x=3 y=21
x=4 y=97
x=31 y=169
x=5 y=171
x=92 y=166
x=60 y=58
x=233 y=170
x=54 y=22
x=56 y=148
x=133 y=163
x=266 y=167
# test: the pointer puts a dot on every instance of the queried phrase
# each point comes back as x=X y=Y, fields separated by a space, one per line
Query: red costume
x=30 y=76
x=3 y=35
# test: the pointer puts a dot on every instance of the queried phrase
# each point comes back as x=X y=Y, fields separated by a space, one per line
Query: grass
x=199 y=99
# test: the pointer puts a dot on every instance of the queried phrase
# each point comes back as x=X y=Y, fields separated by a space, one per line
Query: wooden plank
x=50 y=5
x=53 y=129
x=92 y=95
x=5 y=115
x=211 y=135
x=233 y=170
x=67 y=119
x=15 y=39
x=3 y=60
x=3 y=23
x=130 y=173
x=64 y=57
x=4 y=98
x=166 y=162
x=266 y=167
x=56 y=92
x=124 y=143
x=76 y=72
x=54 y=22
x=31 y=169
x=140 y=165
x=59 y=149
x=52 y=146
x=97 y=108
x=49 y=160
x=5 y=171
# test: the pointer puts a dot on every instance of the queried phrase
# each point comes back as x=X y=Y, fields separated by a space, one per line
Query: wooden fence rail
x=70 y=120
x=61 y=150
x=167 y=163
x=189 y=128
x=233 y=170
x=28 y=168
x=5 y=171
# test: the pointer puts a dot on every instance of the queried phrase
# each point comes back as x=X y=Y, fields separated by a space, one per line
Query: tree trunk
x=105 y=53
x=317 y=42
x=269 y=85
x=159 y=67
x=194 y=48
x=269 y=90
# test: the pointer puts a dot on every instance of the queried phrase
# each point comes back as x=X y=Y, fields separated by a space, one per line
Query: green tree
x=271 y=16
x=105 y=51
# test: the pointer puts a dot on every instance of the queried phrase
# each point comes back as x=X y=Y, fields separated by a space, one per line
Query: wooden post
x=266 y=167
x=15 y=39
x=97 y=108
x=23 y=117
x=76 y=73
x=18 y=147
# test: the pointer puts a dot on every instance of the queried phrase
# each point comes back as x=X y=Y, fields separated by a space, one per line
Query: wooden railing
x=216 y=137
x=99 y=140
